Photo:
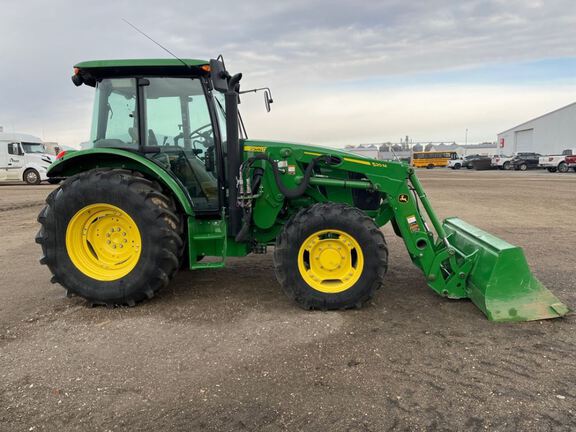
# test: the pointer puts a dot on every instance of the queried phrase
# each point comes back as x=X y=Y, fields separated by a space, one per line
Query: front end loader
x=170 y=178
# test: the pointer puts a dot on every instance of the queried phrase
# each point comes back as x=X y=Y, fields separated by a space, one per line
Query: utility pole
x=466 y=139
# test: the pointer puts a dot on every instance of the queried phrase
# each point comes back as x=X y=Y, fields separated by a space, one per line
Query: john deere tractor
x=170 y=178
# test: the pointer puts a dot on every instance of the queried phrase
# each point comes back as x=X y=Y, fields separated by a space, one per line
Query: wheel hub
x=330 y=261
x=103 y=242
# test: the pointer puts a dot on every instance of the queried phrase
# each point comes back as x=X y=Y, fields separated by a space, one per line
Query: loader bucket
x=500 y=282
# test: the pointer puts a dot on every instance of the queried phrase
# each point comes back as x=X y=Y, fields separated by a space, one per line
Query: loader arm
x=457 y=259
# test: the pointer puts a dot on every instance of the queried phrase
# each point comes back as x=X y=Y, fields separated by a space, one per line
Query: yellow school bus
x=431 y=159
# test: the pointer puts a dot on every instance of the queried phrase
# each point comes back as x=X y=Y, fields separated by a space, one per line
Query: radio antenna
x=157 y=43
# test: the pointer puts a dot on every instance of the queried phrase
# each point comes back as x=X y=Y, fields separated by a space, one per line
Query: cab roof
x=134 y=63
x=94 y=70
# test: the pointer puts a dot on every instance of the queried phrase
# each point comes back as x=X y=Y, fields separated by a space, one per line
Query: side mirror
x=267 y=100
x=219 y=75
x=209 y=159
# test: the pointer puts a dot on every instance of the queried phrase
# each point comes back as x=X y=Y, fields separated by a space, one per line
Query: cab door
x=15 y=161
x=178 y=123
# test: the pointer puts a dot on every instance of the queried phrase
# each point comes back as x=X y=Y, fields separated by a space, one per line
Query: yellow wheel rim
x=103 y=242
x=330 y=261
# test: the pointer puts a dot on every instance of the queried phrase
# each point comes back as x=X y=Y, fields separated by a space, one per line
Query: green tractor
x=171 y=178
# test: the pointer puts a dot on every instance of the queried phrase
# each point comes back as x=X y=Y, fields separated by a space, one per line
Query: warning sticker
x=413 y=223
x=254 y=149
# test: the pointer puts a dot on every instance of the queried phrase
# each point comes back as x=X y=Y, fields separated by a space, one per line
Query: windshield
x=32 y=147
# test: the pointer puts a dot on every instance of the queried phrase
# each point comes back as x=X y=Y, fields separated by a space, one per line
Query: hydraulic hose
x=247 y=217
x=287 y=192
x=300 y=189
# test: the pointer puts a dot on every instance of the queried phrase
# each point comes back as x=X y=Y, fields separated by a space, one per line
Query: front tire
x=32 y=177
x=551 y=169
x=110 y=236
x=523 y=167
x=506 y=166
x=330 y=256
x=457 y=166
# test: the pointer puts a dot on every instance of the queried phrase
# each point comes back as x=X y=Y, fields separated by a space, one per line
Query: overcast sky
x=341 y=71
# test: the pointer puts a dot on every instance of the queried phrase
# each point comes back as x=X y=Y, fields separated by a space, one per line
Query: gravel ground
x=224 y=350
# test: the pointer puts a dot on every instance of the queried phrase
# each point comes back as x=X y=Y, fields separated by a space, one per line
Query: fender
x=80 y=161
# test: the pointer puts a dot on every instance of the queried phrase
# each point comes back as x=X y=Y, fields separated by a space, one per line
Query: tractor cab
x=167 y=110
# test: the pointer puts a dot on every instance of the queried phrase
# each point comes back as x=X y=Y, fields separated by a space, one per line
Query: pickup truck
x=501 y=162
x=571 y=162
x=555 y=163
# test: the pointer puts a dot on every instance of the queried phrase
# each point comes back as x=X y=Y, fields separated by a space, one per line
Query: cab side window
x=14 y=149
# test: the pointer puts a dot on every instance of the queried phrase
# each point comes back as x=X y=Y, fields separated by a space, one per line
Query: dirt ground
x=224 y=350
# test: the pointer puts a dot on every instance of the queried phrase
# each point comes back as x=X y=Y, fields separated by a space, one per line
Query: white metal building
x=548 y=134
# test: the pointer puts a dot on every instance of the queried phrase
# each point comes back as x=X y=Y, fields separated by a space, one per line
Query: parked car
x=481 y=163
x=524 y=161
x=461 y=162
x=571 y=162
x=501 y=162
x=555 y=163
x=469 y=162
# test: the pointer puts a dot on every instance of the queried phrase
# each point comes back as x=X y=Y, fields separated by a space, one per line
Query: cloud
x=305 y=50
x=430 y=113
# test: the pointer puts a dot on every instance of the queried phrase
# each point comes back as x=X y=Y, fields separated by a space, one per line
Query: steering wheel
x=202 y=137
x=197 y=131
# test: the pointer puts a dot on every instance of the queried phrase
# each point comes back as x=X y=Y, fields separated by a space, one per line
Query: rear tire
x=506 y=166
x=562 y=167
x=352 y=243
x=523 y=167
x=457 y=166
x=31 y=177
x=79 y=254
x=430 y=166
